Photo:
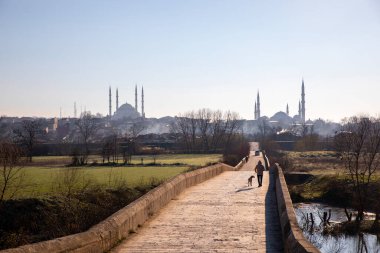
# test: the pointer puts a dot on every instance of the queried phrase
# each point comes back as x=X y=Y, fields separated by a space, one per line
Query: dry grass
x=317 y=162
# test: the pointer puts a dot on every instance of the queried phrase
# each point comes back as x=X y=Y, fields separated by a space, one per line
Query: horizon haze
x=190 y=55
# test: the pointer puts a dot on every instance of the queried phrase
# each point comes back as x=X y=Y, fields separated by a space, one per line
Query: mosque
x=126 y=111
x=282 y=116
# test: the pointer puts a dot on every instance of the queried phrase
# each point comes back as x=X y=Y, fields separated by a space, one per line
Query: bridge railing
x=294 y=240
x=240 y=164
x=105 y=235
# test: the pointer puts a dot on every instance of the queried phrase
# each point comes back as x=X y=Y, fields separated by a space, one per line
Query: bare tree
x=11 y=174
x=207 y=130
x=107 y=150
x=115 y=148
x=27 y=135
x=359 y=145
x=183 y=127
x=203 y=118
x=155 y=152
x=217 y=130
x=130 y=142
x=231 y=120
x=110 y=148
x=87 y=128
x=192 y=121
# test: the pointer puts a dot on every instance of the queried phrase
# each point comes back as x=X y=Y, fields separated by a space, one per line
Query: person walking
x=259 y=169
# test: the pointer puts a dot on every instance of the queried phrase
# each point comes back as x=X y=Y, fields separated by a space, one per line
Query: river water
x=365 y=243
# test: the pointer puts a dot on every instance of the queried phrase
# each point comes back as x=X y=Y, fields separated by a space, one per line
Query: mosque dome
x=126 y=111
x=281 y=117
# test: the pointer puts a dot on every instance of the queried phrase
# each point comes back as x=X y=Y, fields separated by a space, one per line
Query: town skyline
x=114 y=102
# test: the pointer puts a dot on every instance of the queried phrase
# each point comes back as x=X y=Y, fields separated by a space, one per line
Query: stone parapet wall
x=294 y=241
x=240 y=164
x=108 y=233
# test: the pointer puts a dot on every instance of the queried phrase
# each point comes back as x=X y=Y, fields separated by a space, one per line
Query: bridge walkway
x=222 y=214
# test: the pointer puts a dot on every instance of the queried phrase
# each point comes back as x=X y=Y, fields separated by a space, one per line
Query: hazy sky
x=189 y=55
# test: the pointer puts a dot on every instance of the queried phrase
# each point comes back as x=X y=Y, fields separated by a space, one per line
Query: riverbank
x=354 y=228
x=318 y=182
x=337 y=235
x=333 y=189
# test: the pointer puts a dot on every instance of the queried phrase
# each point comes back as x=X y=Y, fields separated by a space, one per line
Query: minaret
x=117 y=98
x=142 y=103
x=75 y=109
x=299 y=109
x=287 y=109
x=258 y=105
x=255 y=110
x=110 y=103
x=303 y=103
x=136 y=98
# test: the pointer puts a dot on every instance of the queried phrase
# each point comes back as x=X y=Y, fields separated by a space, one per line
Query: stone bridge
x=222 y=214
x=208 y=210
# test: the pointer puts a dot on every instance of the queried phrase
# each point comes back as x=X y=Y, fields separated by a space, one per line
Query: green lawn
x=45 y=181
x=188 y=159
x=44 y=176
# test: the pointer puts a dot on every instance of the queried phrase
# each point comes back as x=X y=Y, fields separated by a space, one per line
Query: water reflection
x=311 y=217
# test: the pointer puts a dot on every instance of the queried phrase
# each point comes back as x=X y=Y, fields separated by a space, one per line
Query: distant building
x=300 y=117
x=126 y=111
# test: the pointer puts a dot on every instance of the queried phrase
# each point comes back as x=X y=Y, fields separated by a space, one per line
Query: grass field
x=44 y=181
x=319 y=163
x=188 y=159
x=316 y=162
x=46 y=175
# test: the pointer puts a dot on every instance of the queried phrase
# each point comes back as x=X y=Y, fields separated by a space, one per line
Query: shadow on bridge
x=244 y=189
x=274 y=242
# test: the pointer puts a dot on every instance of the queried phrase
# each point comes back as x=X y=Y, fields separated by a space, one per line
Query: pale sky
x=189 y=55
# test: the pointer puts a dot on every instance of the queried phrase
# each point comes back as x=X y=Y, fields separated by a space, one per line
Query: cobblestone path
x=222 y=214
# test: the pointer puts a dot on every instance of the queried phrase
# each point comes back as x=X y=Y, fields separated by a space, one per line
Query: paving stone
x=220 y=215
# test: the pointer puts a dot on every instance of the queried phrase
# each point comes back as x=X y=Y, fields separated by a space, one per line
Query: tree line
x=211 y=131
x=206 y=130
x=358 y=144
